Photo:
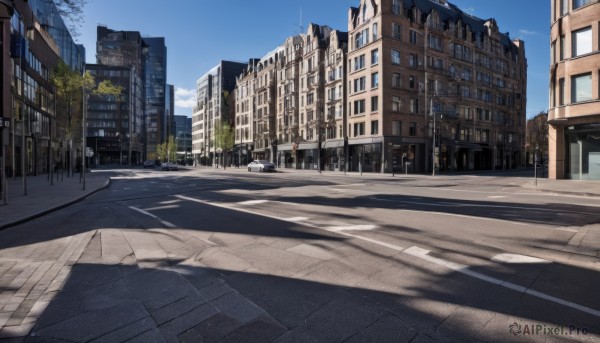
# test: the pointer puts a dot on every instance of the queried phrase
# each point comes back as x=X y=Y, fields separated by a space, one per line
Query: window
x=396 y=31
x=359 y=84
x=553 y=52
x=375 y=32
x=580 y=3
x=374 y=56
x=359 y=129
x=396 y=128
x=396 y=104
x=359 y=107
x=435 y=42
x=412 y=129
x=411 y=82
x=359 y=62
x=562 y=47
x=582 y=42
x=374 y=103
x=374 y=127
x=414 y=105
x=561 y=92
x=396 y=7
x=564 y=7
x=413 y=37
x=396 y=80
x=413 y=60
x=395 y=57
x=581 y=88
x=374 y=80
x=361 y=39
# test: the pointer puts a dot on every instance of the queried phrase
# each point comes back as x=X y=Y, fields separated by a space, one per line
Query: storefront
x=582 y=152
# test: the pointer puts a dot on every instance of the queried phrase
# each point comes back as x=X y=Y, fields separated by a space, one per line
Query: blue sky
x=199 y=33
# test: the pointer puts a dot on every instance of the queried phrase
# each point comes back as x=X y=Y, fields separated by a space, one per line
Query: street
x=205 y=255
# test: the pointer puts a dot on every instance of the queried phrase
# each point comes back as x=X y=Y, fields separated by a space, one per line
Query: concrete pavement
x=82 y=263
x=43 y=197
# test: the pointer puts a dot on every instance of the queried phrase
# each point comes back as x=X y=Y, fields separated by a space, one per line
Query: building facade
x=33 y=130
x=121 y=58
x=183 y=139
x=157 y=120
x=213 y=99
x=111 y=121
x=574 y=109
x=430 y=86
x=244 y=115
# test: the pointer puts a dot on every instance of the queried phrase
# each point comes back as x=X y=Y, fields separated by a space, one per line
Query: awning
x=332 y=144
x=307 y=146
x=361 y=141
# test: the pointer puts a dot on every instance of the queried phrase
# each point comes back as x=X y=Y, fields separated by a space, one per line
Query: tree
x=224 y=138
x=167 y=151
x=537 y=130
x=69 y=86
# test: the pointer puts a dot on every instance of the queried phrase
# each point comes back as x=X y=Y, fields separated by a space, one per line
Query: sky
x=200 y=33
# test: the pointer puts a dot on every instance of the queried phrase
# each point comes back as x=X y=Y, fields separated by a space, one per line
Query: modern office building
x=213 y=92
x=158 y=123
x=183 y=139
x=31 y=120
x=574 y=109
x=121 y=58
x=111 y=122
x=430 y=86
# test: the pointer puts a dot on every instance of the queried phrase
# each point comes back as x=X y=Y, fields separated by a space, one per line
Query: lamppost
x=434 y=133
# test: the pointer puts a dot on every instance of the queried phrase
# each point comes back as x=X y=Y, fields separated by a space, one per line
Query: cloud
x=527 y=32
x=185 y=98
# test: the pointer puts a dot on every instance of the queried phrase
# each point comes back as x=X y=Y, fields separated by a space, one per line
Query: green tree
x=69 y=87
x=167 y=151
x=224 y=139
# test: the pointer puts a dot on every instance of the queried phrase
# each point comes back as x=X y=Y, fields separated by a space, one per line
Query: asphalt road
x=231 y=256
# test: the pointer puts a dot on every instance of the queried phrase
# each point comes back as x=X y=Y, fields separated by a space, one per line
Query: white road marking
x=166 y=207
x=169 y=202
x=296 y=219
x=252 y=202
x=463 y=269
x=497 y=196
x=351 y=228
x=168 y=224
x=422 y=254
x=143 y=212
x=515 y=258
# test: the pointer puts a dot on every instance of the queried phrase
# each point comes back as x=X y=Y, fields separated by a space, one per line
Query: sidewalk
x=42 y=197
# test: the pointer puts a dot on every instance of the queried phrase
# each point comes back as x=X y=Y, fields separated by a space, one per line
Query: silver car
x=261 y=166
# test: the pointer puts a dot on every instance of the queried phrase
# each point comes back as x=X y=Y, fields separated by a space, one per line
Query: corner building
x=574 y=114
x=423 y=68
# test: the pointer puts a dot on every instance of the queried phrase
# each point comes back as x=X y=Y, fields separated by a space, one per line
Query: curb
x=55 y=208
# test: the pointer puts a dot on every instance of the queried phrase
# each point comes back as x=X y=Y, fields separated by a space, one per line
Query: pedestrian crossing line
x=421 y=254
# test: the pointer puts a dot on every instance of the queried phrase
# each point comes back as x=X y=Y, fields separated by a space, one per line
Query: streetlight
x=434 y=133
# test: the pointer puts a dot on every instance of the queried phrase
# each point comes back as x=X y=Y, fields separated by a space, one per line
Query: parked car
x=169 y=166
x=149 y=164
x=261 y=166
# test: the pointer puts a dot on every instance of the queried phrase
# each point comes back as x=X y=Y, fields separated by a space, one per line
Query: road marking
x=497 y=196
x=252 y=202
x=295 y=219
x=168 y=224
x=351 y=228
x=143 y=212
x=164 y=222
x=166 y=207
x=515 y=258
x=463 y=269
x=422 y=254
